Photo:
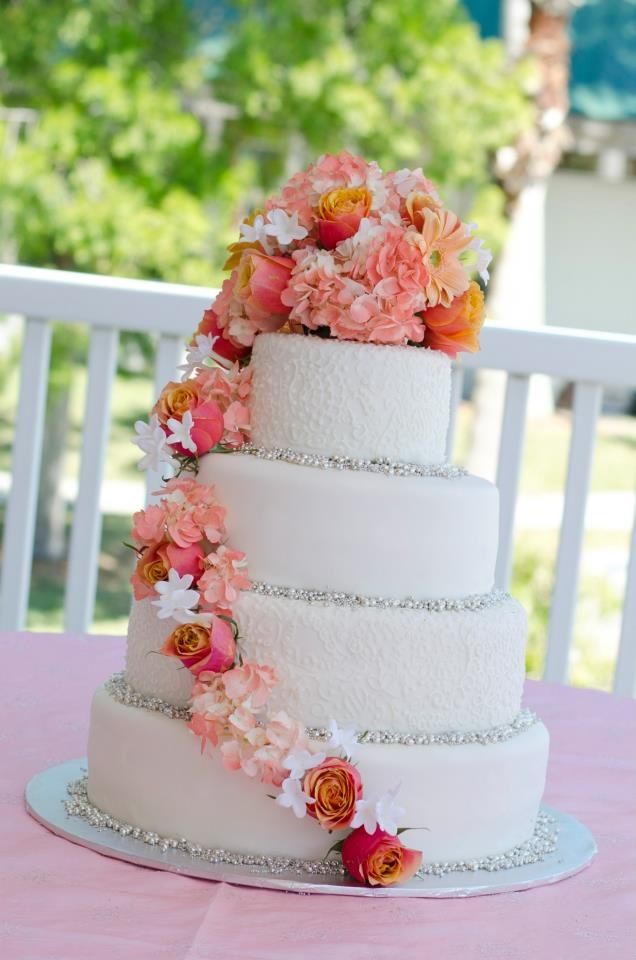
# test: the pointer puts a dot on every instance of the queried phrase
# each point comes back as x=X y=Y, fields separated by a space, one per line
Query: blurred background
x=135 y=134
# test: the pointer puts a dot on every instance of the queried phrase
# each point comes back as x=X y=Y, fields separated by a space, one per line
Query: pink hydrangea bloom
x=286 y=733
x=250 y=684
x=148 y=525
x=224 y=578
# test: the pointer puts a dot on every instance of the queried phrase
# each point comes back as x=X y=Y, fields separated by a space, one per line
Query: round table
x=59 y=901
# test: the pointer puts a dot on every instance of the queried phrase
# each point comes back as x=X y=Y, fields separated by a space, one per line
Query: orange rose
x=334 y=785
x=379 y=859
x=340 y=212
x=175 y=399
x=151 y=568
x=201 y=648
x=456 y=327
x=415 y=203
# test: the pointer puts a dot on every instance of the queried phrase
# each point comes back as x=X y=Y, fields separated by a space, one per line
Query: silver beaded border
x=542 y=842
x=523 y=721
x=78 y=805
x=478 y=601
x=391 y=468
x=121 y=691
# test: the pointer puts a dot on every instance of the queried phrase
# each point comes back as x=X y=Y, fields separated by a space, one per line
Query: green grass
x=545 y=455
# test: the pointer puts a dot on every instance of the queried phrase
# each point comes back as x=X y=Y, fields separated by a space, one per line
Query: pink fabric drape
x=59 y=901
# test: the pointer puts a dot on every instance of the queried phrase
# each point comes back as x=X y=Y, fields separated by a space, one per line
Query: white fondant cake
x=402 y=670
x=379 y=536
x=341 y=398
x=473 y=800
x=368 y=665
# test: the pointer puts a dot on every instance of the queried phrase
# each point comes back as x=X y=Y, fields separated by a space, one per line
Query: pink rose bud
x=207 y=428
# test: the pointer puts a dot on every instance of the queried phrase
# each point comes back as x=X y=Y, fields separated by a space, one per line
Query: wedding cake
x=317 y=655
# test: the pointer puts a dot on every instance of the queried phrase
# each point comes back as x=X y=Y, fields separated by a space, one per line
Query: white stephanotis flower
x=256 y=233
x=344 y=739
x=484 y=256
x=181 y=432
x=388 y=812
x=284 y=227
x=382 y=812
x=299 y=761
x=201 y=350
x=175 y=596
x=152 y=441
x=294 y=797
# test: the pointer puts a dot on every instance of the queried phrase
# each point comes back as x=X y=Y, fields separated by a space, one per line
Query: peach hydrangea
x=224 y=576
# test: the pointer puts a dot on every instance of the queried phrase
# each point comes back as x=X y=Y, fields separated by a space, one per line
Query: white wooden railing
x=169 y=311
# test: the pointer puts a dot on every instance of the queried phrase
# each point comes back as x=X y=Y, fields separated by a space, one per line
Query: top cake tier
x=359 y=400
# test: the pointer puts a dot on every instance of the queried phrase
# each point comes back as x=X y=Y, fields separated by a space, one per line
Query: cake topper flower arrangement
x=349 y=252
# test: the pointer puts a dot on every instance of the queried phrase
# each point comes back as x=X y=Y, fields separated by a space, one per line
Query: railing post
x=81 y=580
x=509 y=470
x=19 y=529
x=585 y=409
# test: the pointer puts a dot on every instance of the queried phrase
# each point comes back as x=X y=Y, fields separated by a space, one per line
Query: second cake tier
x=405 y=671
x=358 y=532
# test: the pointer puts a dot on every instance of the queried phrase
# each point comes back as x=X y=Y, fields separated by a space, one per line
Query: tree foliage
x=111 y=175
x=405 y=82
x=118 y=174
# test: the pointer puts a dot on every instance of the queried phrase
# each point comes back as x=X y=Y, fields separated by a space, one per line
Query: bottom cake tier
x=463 y=801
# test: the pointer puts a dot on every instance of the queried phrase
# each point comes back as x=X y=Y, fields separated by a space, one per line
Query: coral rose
x=335 y=785
x=175 y=399
x=379 y=860
x=151 y=568
x=223 y=348
x=202 y=648
x=340 y=212
x=185 y=560
x=456 y=327
x=207 y=427
x=261 y=280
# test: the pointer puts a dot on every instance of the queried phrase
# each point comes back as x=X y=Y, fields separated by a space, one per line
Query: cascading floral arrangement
x=347 y=252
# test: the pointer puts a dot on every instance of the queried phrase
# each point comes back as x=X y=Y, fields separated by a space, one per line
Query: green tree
x=405 y=82
x=109 y=175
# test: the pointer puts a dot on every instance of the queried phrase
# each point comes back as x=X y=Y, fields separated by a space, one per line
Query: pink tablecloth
x=59 y=901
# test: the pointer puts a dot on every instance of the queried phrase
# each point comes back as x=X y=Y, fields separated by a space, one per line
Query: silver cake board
x=46 y=793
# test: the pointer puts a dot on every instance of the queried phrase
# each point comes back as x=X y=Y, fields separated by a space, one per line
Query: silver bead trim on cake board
x=121 y=691
x=479 y=601
x=78 y=805
x=542 y=842
x=391 y=468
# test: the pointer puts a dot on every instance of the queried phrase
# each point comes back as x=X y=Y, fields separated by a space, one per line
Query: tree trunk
x=524 y=171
